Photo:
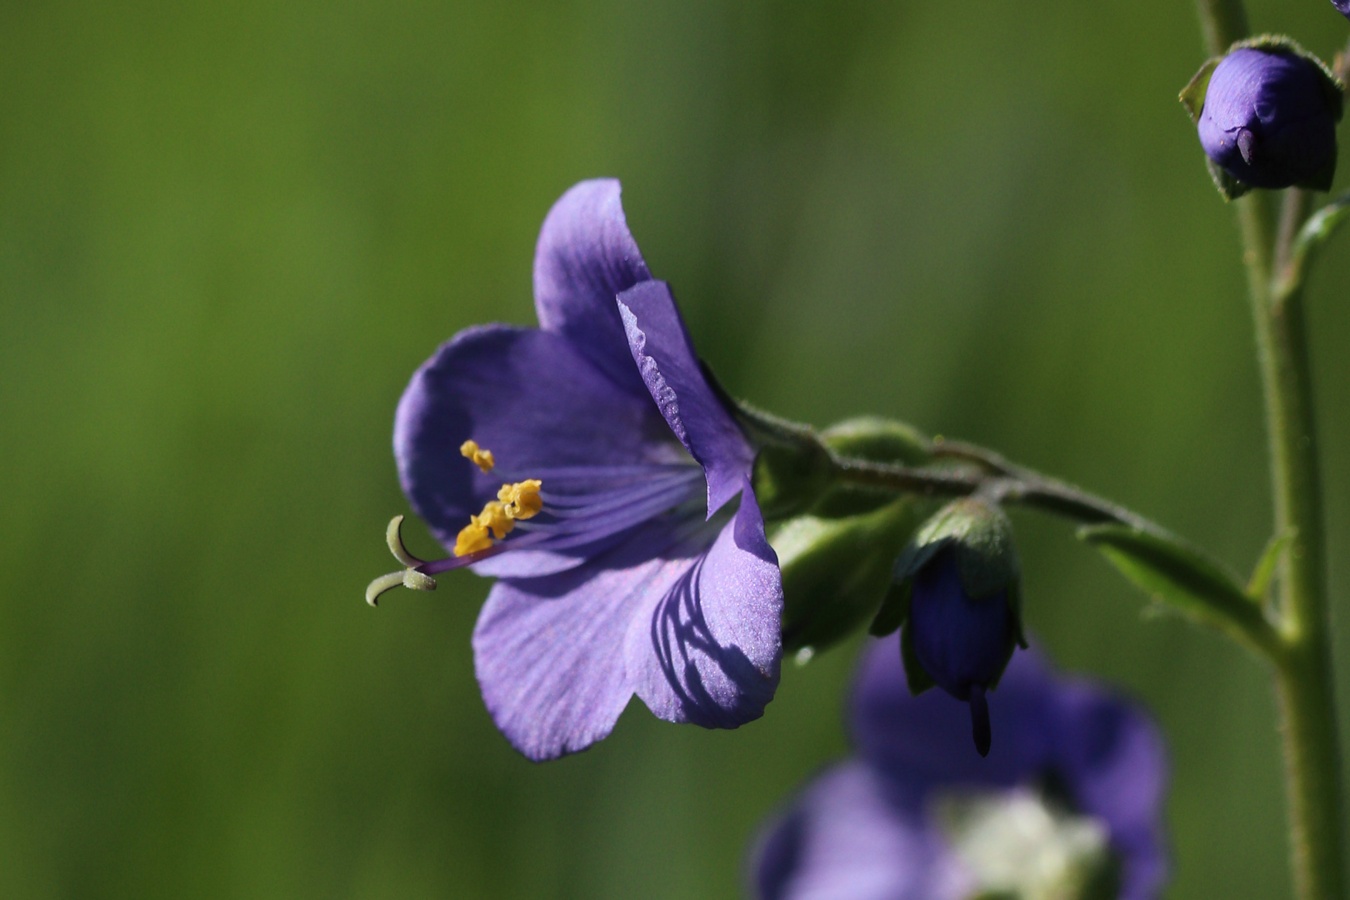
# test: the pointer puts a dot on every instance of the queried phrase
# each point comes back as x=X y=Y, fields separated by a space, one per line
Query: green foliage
x=1183 y=579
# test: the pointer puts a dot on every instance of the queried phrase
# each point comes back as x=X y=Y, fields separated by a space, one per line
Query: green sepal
x=985 y=551
x=1192 y=96
x=792 y=466
x=836 y=572
x=1180 y=576
x=918 y=552
x=916 y=676
x=790 y=478
x=1229 y=186
x=894 y=610
x=980 y=535
x=879 y=440
x=874 y=440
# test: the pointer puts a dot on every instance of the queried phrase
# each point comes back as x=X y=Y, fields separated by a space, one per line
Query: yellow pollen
x=496 y=516
x=472 y=538
x=522 y=499
x=477 y=455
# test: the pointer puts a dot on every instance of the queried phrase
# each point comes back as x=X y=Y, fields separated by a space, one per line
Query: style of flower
x=589 y=465
x=1067 y=804
x=1269 y=118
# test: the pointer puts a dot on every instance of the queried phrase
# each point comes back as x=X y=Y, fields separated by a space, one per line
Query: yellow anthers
x=522 y=499
x=472 y=538
x=496 y=521
x=477 y=455
x=497 y=517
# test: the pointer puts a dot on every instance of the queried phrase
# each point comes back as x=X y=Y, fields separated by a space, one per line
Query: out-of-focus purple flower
x=1269 y=119
x=590 y=466
x=1073 y=790
x=1342 y=7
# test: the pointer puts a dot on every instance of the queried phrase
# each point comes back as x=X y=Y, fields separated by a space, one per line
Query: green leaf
x=1181 y=576
x=1264 y=572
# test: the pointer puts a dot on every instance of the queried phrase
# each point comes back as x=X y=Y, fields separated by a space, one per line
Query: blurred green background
x=230 y=232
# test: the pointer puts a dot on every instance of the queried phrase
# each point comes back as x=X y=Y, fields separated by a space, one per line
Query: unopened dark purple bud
x=962 y=642
x=1269 y=119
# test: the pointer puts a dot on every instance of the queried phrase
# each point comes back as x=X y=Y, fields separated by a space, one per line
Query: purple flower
x=963 y=617
x=1342 y=7
x=589 y=466
x=1269 y=119
x=962 y=642
x=1072 y=795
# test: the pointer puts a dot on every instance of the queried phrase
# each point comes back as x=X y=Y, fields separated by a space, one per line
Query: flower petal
x=665 y=357
x=1115 y=766
x=585 y=258
x=855 y=833
x=708 y=650
x=1103 y=751
x=927 y=738
x=549 y=652
x=532 y=399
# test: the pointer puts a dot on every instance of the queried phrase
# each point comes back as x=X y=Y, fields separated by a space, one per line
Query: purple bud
x=962 y=642
x=1269 y=119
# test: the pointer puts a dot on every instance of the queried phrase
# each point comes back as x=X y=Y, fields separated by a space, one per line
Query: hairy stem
x=1303 y=671
x=1304 y=676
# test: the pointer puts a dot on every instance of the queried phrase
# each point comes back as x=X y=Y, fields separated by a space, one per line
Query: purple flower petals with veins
x=646 y=570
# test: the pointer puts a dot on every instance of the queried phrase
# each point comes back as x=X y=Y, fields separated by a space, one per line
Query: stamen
x=472 y=538
x=585 y=504
x=497 y=516
x=522 y=499
x=515 y=501
x=480 y=457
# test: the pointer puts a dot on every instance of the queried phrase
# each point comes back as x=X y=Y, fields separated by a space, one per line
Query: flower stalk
x=1276 y=269
x=1165 y=565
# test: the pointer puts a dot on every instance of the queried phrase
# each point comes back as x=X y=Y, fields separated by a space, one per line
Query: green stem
x=1224 y=23
x=1008 y=484
x=1227 y=607
x=1303 y=672
x=1304 y=676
